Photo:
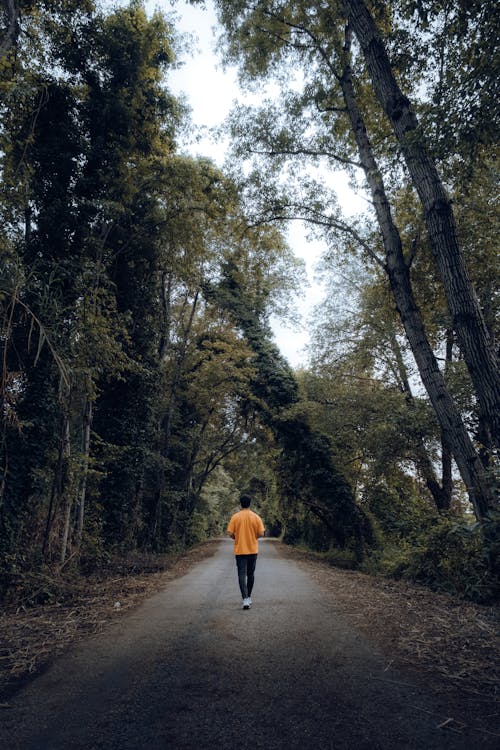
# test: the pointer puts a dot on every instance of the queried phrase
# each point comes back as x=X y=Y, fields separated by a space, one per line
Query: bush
x=342 y=558
x=455 y=557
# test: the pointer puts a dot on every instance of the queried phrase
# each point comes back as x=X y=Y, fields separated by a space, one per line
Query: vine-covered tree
x=307 y=468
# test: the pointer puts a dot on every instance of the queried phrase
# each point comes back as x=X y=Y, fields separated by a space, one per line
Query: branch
x=274 y=35
x=42 y=336
x=41 y=103
x=413 y=251
x=325 y=221
x=308 y=152
x=340 y=110
x=303 y=30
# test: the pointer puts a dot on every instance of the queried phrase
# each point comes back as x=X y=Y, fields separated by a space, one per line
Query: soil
x=403 y=666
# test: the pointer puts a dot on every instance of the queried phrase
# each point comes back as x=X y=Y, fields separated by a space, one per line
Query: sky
x=210 y=92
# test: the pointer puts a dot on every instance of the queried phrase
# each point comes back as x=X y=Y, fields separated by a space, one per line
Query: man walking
x=245 y=527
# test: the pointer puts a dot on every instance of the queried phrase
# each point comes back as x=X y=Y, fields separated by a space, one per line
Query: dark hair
x=245 y=501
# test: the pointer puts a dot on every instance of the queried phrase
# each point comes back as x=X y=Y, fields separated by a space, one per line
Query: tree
x=125 y=391
x=79 y=141
x=10 y=13
x=308 y=472
x=467 y=318
x=359 y=390
x=332 y=98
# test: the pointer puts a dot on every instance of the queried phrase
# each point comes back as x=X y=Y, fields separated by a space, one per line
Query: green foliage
x=309 y=474
x=307 y=469
x=141 y=389
x=447 y=555
x=398 y=510
x=284 y=144
x=126 y=395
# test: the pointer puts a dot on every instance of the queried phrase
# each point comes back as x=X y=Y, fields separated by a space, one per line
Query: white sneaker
x=246 y=603
x=249 y=601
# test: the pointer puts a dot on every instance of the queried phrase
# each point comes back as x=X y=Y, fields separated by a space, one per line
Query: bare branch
x=413 y=251
x=304 y=213
x=307 y=152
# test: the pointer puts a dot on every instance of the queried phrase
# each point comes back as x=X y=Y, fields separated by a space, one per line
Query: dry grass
x=455 y=643
x=32 y=635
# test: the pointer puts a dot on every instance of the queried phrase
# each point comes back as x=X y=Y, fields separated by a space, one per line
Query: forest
x=141 y=387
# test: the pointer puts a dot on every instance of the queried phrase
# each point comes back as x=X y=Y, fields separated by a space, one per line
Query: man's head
x=245 y=501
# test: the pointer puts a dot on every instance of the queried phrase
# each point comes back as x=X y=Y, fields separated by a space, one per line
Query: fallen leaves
x=31 y=636
x=417 y=627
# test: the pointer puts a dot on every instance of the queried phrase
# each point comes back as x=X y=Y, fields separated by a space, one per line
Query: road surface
x=190 y=669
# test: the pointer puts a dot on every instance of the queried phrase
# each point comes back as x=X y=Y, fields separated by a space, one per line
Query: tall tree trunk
x=82 y=485
x=446 y=451
x=469 y=464
x=4 y=469
x=57 y=482
x=11 y=16
x=166 y=308
x=446 y=473
x=164 y=423
x=468 y=322
x=441 y=494
x=69 y=501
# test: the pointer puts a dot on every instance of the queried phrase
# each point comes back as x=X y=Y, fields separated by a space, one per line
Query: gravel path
x=190 y=669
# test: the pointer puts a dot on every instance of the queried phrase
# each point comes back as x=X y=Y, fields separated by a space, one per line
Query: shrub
x=455 y=557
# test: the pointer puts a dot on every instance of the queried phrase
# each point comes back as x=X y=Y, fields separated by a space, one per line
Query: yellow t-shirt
x=246 y=526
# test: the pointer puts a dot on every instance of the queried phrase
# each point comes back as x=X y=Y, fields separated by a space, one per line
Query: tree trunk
x=440 y=493
x=11 y=15
x=450 y=420
x=166 y=308
x=82 y=485
x=164 y=423
x=446 y=451
x=69 y=501
x=57 y=482
x=446 y=475
x=468 y=322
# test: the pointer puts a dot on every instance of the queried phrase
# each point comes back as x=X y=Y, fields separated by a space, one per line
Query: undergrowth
x=444 y=554
x=450 y=556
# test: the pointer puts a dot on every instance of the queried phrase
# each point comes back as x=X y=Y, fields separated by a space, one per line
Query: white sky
x=210 y=92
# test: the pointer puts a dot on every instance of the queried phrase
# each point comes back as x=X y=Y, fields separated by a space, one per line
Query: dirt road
x=191 y=669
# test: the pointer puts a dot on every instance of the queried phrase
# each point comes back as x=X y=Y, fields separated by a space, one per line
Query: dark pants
x=246 y=569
